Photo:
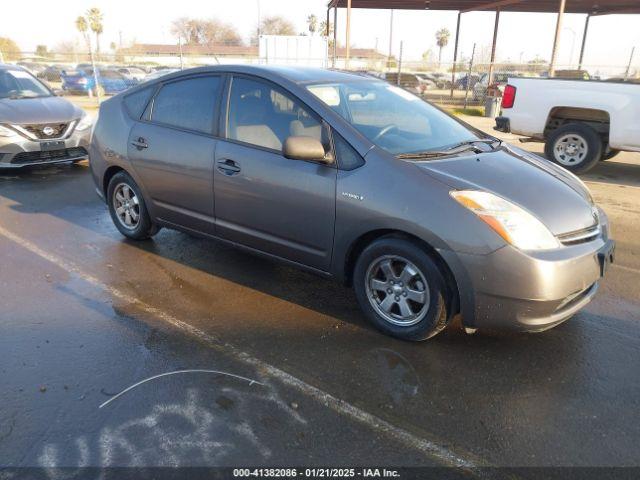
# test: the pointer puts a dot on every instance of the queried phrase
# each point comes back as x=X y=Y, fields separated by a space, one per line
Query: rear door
x=263 y=200
x=172 y=150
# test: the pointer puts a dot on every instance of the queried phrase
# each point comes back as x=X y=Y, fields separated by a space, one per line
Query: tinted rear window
x=137 y=102
x=188 y=104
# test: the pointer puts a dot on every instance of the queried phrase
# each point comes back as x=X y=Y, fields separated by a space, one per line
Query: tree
x=442 y=40
x=42 y=51
x=275 y=25
x=195 y=31
x=9 y=50
x=83 y=27
x=312 y=21
x=94 y=17
x=323 y=28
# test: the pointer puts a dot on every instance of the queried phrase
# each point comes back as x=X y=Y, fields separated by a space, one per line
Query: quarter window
x=264 y=116
x=188 y=104
x=137 y=102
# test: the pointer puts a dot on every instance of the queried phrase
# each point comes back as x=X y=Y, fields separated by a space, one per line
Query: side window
x=348 y=158
x=188 y=104
x=264 y=116
x=137 y=102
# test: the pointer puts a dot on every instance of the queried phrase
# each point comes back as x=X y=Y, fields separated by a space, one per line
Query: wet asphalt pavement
x=85 y=314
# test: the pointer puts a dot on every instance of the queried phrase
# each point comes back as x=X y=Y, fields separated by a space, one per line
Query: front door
x=172 y=151
x=262 y=199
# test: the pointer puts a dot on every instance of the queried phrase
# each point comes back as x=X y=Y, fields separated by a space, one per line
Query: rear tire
x=401 y=290
x=574 y=146
x=128 y=209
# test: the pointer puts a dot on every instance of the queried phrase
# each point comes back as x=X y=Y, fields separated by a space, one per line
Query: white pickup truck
x=580 y=121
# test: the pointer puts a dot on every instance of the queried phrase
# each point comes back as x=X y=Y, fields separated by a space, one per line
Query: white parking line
x=626 y=269
x=342 y=407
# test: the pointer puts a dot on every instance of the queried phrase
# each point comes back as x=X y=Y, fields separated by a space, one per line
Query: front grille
x=57 y=130
x=35 y=157
x=580 y=236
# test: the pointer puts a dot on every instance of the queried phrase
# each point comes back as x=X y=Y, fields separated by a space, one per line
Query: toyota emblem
x=48 y=131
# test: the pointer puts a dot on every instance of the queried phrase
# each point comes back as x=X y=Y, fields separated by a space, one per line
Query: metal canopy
x=593 y=7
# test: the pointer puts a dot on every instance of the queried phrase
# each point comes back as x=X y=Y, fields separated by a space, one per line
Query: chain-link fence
x=467 y=85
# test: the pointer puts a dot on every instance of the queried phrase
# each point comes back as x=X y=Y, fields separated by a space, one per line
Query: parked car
x=424 y=78
x=581 y=122
x=132 y=72
x=82 y=81
x=36 y=126
x=408 y=81
x=471 y=80
x=32 y=67
x=499 y=82
x=442 y=80
x=357 y=180
x=160 y=73
x=52 y=72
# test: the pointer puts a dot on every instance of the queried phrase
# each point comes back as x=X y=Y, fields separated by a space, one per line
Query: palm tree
x=312 y=21
x=442 y=40
x=94 y=16
x=83 y=27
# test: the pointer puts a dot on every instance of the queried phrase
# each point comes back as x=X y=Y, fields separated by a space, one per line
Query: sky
x=521 y=35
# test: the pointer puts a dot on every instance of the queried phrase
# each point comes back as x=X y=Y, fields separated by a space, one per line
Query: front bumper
x=531 y=291
x=19 y=151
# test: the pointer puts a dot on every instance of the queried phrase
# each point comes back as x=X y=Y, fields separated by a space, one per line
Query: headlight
x=7 y=132
x=517 y=226
x=84 y=123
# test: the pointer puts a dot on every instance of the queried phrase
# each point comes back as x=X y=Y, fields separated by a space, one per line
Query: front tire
x=128 y=209
x=574 y=146
x=401 y=290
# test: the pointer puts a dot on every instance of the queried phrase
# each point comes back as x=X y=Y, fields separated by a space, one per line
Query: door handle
x=140 y=143
x=228 y=167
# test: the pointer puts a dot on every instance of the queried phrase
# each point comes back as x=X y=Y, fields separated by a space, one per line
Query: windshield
x=20 y=84
x=391 y=117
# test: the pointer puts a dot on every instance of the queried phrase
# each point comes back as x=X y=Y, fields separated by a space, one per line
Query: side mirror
x=305 y=148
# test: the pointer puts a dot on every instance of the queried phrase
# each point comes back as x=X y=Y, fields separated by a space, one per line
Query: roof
x=293 y=74
x=8 y=66
x=163 y=49
x=596 y=7
x=156 y=49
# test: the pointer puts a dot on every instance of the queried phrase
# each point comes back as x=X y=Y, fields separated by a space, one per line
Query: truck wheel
x=400 y=289
x=609 y=153
x=575 y=146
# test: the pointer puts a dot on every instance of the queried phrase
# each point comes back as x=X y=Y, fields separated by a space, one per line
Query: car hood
x=555 y=197
x=37 y=110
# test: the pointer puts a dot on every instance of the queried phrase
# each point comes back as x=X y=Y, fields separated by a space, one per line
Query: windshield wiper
x=458 y=148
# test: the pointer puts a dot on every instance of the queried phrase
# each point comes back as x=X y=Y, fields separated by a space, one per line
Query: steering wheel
x=384 y=131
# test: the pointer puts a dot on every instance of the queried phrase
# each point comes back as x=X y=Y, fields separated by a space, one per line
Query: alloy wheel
x=397 y=290
x=127 y=206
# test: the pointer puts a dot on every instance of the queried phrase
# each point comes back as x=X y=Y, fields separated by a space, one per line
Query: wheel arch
x=366 y=239
x=596 y=118
x=108 y=175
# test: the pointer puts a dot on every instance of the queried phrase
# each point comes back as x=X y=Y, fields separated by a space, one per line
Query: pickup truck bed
x=580 y=121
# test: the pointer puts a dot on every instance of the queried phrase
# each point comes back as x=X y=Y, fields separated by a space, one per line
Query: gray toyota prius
x=355 y=179
x=36 y=126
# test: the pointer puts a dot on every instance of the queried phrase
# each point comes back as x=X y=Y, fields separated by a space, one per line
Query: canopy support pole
x=455 y=54
x=346 y=60
x=556 y=40
x=584 y=40
x=493 y=47
x=335 y=36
